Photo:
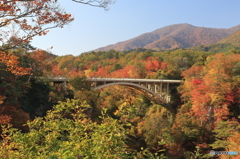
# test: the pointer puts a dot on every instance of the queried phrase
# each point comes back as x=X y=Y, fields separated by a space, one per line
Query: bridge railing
x=134 y=80
x=98 y=79
x=58 y=79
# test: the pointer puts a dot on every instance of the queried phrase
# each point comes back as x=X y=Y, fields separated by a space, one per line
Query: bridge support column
x=65 y=85
x=154 y=88
x=167 y=95
x=161 y=88
x=149 y=86
x=167 y=88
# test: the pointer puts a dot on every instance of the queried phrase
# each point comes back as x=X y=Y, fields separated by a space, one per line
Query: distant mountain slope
x=226 y=44
x=216 y=48
x=173 y=36
x=233 y=39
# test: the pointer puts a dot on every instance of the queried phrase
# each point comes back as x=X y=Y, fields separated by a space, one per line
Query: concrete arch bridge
x=157 y=90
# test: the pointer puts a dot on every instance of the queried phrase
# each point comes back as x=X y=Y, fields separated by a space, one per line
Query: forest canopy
x=43 y=119
x=128 y=124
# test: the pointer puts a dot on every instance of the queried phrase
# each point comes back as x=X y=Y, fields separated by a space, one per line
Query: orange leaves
x=234 y=145
x=223 y=65
x=33 y=18
x=5 y=7
x=123 y=73
x=5 y=119
x=154 y=65
x=194 y=71
x=200 y=100
x=102 y=72
x=11 y=62
x=1 y=99
x=211 y=86
x=39 y=55
x=41 y=62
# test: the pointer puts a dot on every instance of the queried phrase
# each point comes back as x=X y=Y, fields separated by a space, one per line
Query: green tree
x=115 y=67
x=65 y=132
x=156 y=125
x=225 y=130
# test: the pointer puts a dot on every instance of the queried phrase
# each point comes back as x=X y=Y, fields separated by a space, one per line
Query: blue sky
x=94 y=27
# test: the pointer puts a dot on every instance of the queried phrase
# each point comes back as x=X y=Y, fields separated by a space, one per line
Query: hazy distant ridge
x=173 y=36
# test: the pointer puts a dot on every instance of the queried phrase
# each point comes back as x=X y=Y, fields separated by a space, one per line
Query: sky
x=95 y=27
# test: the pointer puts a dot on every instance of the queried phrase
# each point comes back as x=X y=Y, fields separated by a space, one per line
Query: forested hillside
x=172 y=37
x=233 y=39
x=118 y=122
x=42 y=119
x=229 y=43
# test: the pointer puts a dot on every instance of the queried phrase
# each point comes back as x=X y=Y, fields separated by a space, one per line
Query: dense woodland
x=42 y=120
x=118 y=122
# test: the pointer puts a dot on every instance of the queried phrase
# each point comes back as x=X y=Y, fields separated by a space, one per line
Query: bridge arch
x=157 y=90
x=147 y=92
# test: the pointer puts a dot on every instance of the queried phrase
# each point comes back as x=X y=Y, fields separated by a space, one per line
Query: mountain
x=231 y=42
x=173 y=36
x=233 y=39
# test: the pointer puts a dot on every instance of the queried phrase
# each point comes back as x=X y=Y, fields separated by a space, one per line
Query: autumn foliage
x=31 y=18
x=20 y=22
x=213 y=86
x=203 y=113
x=11 y=63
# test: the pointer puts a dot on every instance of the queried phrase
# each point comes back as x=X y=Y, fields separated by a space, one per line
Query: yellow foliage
x=234 y=146
x=87 y=73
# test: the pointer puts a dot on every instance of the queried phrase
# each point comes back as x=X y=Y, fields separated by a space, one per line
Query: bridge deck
x=155 y=89
x=97 y=79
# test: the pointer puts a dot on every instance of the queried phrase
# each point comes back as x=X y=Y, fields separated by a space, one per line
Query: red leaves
x=211 y=86
x=58 y=72
x=196 y=81
x=230 y=96
x=102 y=72
x=201 y=101
x=123 y=73
x=154 y=65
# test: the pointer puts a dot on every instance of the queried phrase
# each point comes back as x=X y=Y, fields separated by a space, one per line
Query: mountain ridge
x=173 y=36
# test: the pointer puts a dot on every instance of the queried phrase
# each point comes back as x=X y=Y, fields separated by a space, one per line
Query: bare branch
x=35 y=17
x=96 y=3
x=31 y=18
